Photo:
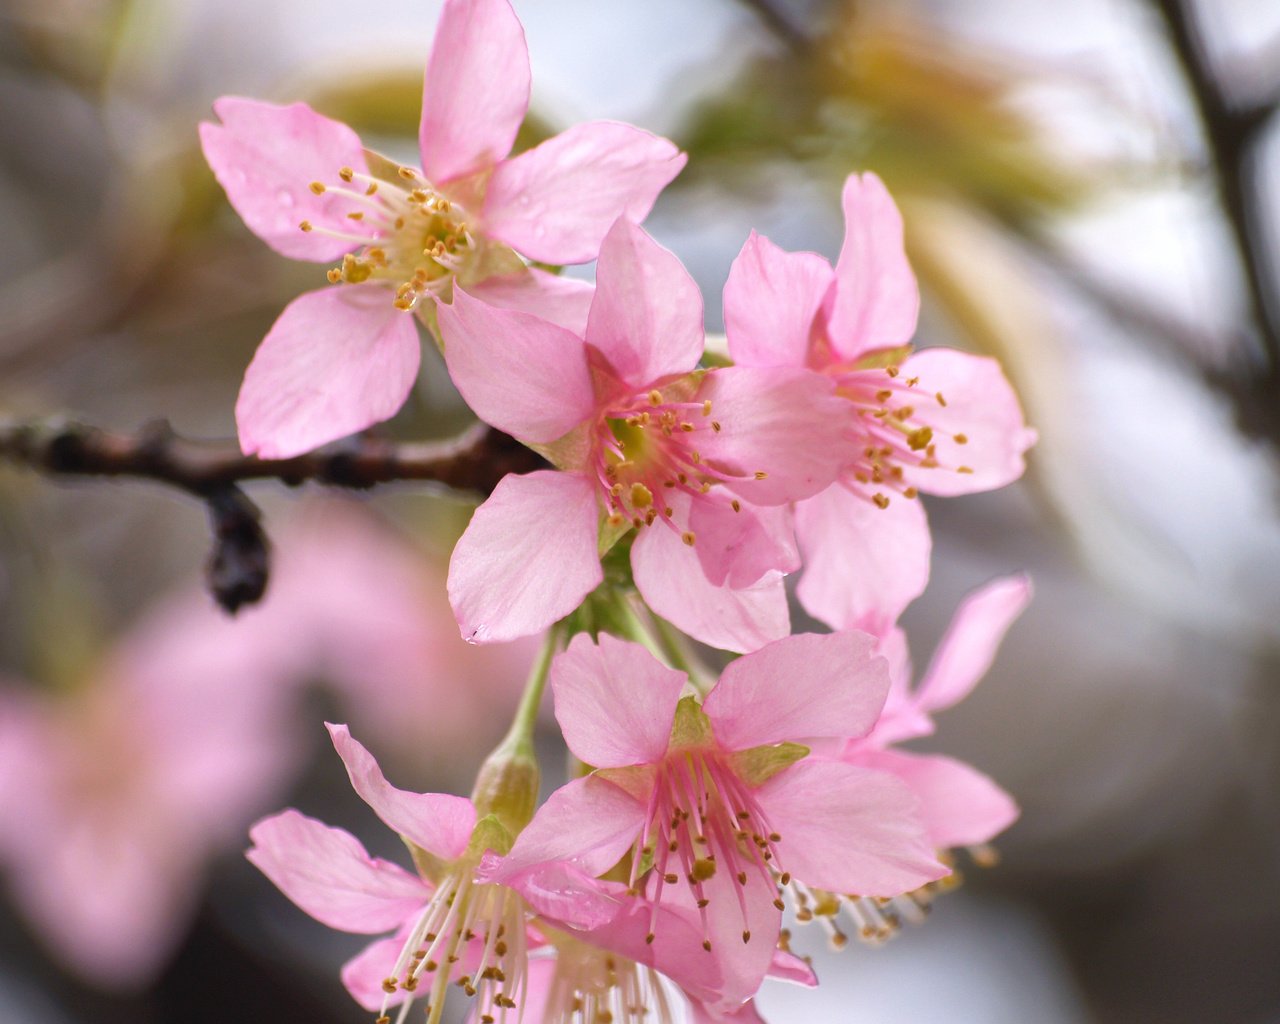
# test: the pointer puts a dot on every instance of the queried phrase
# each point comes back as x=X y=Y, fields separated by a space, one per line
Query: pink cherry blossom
x=715 y=805
x=450 y=925
x=940 y=421
x=338 y=360
x=116 y=794
x=697 y=463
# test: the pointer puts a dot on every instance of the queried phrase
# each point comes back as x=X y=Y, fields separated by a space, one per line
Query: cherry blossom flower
x=939 y=421
x=959 y=805
x=449 y=926
x=115 y=794
x=715 y=804
x=697 y=463
x=340 y=359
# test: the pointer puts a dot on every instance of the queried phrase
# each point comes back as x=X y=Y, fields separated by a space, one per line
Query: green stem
x=519 y=738
x=665 y=644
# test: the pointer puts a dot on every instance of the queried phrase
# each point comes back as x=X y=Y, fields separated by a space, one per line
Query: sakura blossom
x=939 y=421
x=715 y=805
x=691 y=466
x=342 y=358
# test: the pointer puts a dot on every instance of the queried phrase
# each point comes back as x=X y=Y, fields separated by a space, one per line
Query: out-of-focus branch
x=777 y=21
x=1233 y=131
x=238 y=567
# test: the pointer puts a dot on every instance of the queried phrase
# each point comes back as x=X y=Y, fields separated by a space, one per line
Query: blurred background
x=1090 y=193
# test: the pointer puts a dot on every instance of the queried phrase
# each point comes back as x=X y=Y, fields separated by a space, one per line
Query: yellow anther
x=305 y=225
x=346 y=173
x=892 y=371
x=941 y=401
x=334 y=275
x=964 y=469
x=912 y=381
x=706 y=407
x=687 y=427
x=961 y=439
x=688 y=537
x=911 y=492
x=760 y=474
x=880 y=500
x=373 y=187
x=736 y=505
x=388 y=985
x=355 y=215
x=408 y=173
x=919 y=438
x=884 y=395
x=655 y=397
x=317 y=187
x=715 y=425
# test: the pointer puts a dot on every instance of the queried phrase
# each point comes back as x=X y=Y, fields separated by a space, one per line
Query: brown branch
x=238 y=566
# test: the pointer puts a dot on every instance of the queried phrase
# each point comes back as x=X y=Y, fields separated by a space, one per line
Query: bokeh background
x=1090 y=192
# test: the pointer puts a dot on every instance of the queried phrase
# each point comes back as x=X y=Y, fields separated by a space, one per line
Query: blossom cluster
x=683 y=489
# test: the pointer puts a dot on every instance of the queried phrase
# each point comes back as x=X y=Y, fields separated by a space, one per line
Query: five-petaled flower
x=940 y=421
x=716 y=804
x=340 y=359
x=699 y=463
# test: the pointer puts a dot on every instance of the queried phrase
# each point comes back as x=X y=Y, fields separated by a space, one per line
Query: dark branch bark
x=238 y=566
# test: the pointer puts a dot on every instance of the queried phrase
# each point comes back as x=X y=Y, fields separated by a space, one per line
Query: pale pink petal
x=565 y=895
x=770 y=301
x=564 y=301
x=802 y=686
x=981 y=407
x=672 y=582
x=789 y=967
x=738 y=548
x=747 y=1013
x=785 y=423
x=441 y=824
x=876 y=299
x=588 y=822
x=969 y=646
x=365 y=972
x=476 y=89
x=266 y=156
x=863 y=564
x=327 y=873
x=528 y=557
x=336 y=361
x=646 y=319
x=848 y=830
x=960 y=806
x=556 y=202
x=735 y=909
x=615 y=701
x=518 y=373
x=902 y=718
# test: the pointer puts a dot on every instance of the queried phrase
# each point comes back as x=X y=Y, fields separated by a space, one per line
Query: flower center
x=647 y=450
x=480 y=926
x=893 y=436
x=405 y=233
x=704 y=820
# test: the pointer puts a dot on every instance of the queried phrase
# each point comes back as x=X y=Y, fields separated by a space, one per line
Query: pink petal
x=863 y=564
x=519 y=373
x=848 y=830
x=327 y=873
x=736 y=549
x=587 y=822
x=700 y=1013
x=476 y=89
x=334 y=362
x=785 y=423
x=615 y=702
x=789 y=967
x=672 y=582
x=441 y=824
x=528 y=558
x=564 y=301
x=646 y=319
x=803 y=686
x=365 y=972
x=876 y=299
x=969 y=646
x=566 y=896
x=556 y=202
x=981 y=406
x=266 y=156
x=770 y=301
x=959 y=805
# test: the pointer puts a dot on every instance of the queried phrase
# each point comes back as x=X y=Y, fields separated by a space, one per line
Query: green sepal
x=692 y=727
x=429 y=866
x=882 y=358
x=489 y=834
x=758 y=765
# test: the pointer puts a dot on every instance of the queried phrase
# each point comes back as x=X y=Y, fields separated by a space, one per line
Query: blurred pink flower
x=115 y=796
x=340 y=359
x=705 y=459
x=717 y=802
x=940 y=421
